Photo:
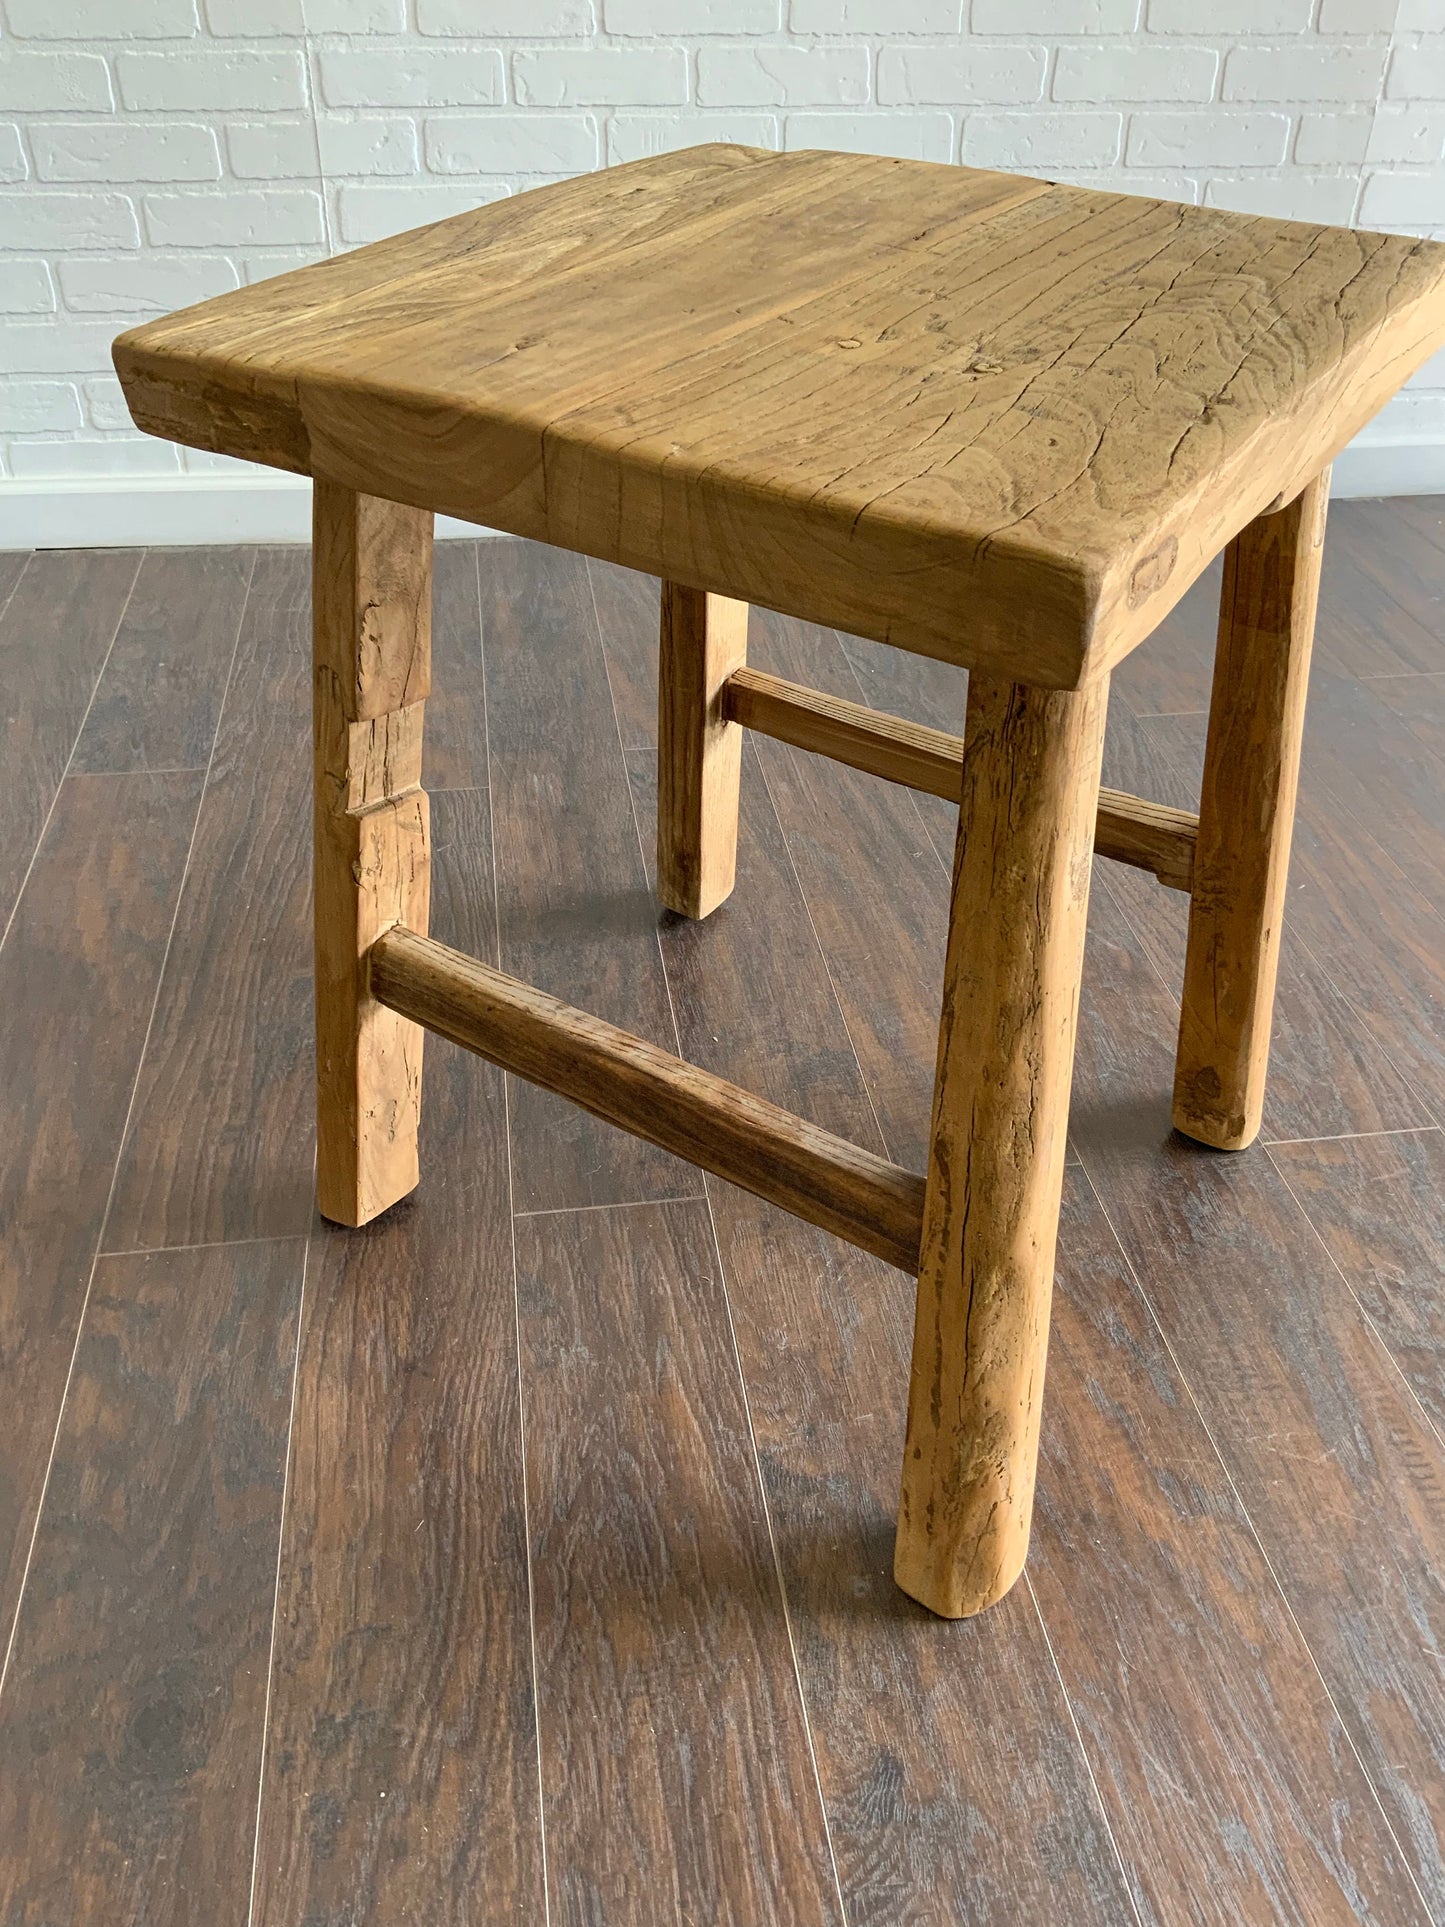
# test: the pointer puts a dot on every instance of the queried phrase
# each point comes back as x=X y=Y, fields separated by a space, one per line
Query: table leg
x=704 y=639
x=1246 y=817
x=371 y=605
x=1000 y=1116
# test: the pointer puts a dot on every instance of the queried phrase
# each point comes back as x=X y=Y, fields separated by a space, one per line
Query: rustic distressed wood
x=372 y=669
x=704 y=639
x=1128 y=829
x=1246 y=819
x=998 y=420
x=991 y=420
x=657 y=1096
x=1000 y=1114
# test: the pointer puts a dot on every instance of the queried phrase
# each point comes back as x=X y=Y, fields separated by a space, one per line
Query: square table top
x=993 y=419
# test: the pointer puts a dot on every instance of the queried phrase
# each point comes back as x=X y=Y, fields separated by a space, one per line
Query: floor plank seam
x=516 y=1292
x=1129 y=1884
x=1248 y=1518
x=1346 y=1137
x=760 y=1482
x=619 y=1204
x=276 y=1591
x=779 y=1575
x=1431 y=1113
x=75 y=743
x=24 y=568
x=135 y=1080
x=165 y=769
x=1355 y=1299
x=863 y=1084
x=207 y=1244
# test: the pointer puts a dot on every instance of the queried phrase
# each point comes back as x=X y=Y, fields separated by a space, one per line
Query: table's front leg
x=1246 y=817
x=371 y=603
x=704 y=638
x=1000 y=1116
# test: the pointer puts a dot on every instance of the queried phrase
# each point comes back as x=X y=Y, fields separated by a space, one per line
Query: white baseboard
x=159 y=511
x=165 y=511
x=1389 y=468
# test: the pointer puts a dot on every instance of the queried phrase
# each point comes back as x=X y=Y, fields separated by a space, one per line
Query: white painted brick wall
x=156 y=152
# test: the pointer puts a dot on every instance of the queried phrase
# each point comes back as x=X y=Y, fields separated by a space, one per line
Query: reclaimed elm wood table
x=990 y=419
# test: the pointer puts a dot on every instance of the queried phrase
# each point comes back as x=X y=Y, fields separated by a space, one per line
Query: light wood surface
x=1129 y=829
x=372 y=655
x=704 y=638
x=1246 y=820
x=1000 y=1117
x=653 y=1094
x=996 y=420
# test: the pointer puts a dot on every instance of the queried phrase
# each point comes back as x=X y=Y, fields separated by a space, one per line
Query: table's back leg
x=699 y=752
x=371 y=603
x=1246 y=816
x=1000 y=1116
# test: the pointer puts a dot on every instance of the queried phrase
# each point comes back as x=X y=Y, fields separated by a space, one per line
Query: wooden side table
x=989 y=419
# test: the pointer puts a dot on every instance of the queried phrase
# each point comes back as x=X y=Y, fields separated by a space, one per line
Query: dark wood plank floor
x=526 y=1556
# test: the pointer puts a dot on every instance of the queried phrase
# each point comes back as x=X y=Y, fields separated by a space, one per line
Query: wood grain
x=401 y=1766
x=656 y=1095
x=577 y=918
x=159 y=701
x=1246 y=820
x=674 y=1749
x=131 y=1730
x=871 y=392
x=371 y=844
x=221 y=1141
x=54 y=634
x=1000 y=1118
x=703 y=640
x=78 y=973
